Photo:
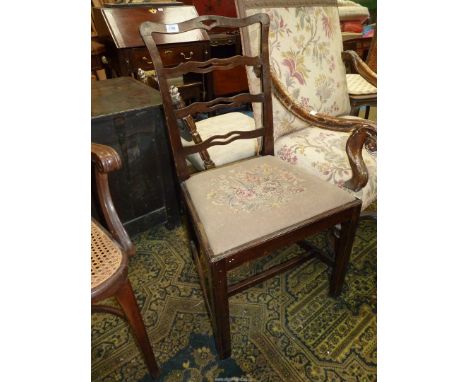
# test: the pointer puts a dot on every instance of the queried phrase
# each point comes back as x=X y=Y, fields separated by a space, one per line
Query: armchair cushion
x=257 y=197
x=323 y=153
x=305 y=55
x=358 y=85
x=219 y=125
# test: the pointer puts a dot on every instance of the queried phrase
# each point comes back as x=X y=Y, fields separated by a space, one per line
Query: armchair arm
x=354 y=147
x=105 y=160
x=319 y=120
x=359 y=66
x=362 y=132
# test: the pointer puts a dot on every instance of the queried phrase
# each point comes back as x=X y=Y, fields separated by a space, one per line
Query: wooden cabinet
x=127 y=115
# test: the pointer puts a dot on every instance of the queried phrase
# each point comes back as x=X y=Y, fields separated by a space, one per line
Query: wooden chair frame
x=105 y=160
x=212 y=269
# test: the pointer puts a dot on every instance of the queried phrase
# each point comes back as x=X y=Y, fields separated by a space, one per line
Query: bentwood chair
x=244 y=210
x=109 y=257
x=312 y=126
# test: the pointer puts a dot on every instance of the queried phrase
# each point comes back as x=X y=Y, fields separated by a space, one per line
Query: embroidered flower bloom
x=305 y=102
x=324 y=88
x=286 y=154
x=327 y=26
x=261 y=187
x=291 y=65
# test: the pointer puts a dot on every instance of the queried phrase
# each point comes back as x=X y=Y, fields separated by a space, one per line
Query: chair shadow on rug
x=244 y=210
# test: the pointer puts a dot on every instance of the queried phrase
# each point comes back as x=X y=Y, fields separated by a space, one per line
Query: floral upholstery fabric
x=220 y=125
x=323 y=153
x=257 y=197
x=305 y=45
x=305 y=55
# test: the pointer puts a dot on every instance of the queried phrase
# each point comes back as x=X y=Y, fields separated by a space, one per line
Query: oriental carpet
x=284 y=329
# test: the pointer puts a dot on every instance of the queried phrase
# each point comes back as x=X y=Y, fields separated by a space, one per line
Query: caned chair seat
x=323 y=154
x=219 y=125
x=106 y=256
x=256 y=198
x=358 y=85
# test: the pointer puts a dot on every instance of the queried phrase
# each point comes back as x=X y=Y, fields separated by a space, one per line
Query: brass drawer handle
x=187 y=58
x=167 y=51
x=146 y=60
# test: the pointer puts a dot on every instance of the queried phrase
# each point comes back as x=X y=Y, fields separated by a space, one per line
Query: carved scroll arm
x=359 y=66
x=354 y=146
x=363 y=132
x=105 y=160
x=318 y=120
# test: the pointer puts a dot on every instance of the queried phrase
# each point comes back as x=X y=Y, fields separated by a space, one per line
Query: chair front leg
x=343 y=248
x=127 y=301
x=220 y=308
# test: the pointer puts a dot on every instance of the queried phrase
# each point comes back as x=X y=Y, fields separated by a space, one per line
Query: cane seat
x=358 y=85
x=106 y=256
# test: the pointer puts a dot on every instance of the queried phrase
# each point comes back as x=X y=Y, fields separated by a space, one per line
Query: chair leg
x=344 y=245
x=354 y=111
x=220 y=309
x=366 y=116
x=127 y=301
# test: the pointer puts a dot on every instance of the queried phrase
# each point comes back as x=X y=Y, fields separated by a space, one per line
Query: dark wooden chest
x=127 y=115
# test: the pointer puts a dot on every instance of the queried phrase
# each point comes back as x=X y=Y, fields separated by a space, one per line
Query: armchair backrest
x=262 y=95
x=305 y=57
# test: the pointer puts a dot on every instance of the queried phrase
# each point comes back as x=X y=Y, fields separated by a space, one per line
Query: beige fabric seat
x=357 y=85
x=254 y=198
x=106 y=256
x=219 y=125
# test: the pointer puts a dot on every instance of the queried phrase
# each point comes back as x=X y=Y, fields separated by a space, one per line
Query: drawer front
x=170 y=55
x=141 y=59
x=174 y=55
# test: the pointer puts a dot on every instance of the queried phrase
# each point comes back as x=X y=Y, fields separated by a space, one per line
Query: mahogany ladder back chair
x=243 y=210
x=109 y=257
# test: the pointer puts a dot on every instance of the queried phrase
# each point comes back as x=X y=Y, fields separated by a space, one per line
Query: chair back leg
x=127 y=301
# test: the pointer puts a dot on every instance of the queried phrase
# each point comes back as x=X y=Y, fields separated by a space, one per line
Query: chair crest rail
x=149 y=27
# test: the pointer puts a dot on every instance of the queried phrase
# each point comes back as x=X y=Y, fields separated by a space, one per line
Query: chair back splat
x=260 y=63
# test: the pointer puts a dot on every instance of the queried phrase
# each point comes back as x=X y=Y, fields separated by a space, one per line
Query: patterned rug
x=284 y=329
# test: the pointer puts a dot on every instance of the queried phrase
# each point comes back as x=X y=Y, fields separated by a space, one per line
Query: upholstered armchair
x=313 y=128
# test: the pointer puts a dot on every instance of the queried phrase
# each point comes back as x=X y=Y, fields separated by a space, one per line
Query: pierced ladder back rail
x=172 y=113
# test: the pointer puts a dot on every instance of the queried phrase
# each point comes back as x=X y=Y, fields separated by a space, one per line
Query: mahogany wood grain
x=218 y=103
x=122 y=24
x=360 y=66
x=106 y=160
